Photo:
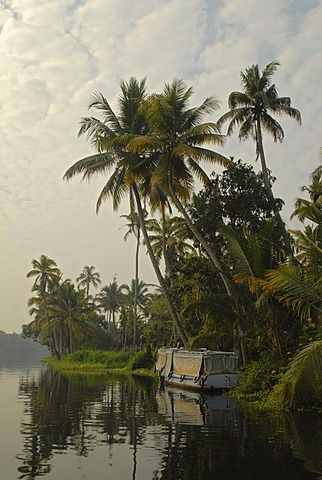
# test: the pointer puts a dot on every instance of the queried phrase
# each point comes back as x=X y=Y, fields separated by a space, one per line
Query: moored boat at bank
x=200 y=369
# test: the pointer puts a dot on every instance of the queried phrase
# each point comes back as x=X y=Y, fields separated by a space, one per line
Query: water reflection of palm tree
x=56 y=410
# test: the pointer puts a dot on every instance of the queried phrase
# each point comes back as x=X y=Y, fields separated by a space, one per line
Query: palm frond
x=303 y=378
x=238 y=100
x=286 y=283
x=88 y=166
x=217 y=306
x=199 y=172
x=100 y=103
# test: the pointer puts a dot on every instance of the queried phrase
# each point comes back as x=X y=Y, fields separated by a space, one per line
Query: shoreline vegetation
x=260 y=387
x=126 y=362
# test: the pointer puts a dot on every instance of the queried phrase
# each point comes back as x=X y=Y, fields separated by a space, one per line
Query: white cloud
x=56 y=53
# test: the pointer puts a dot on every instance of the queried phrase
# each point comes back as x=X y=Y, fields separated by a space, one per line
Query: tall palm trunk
x=200 y=238
x=70 y=332
x=53 y=336
x=164 y=247
x=260 y=152
x=135 y=300
x=216 y=262
x=157 y=270
x=167 y=263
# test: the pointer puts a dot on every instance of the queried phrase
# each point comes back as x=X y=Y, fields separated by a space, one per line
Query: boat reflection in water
x=196 y=408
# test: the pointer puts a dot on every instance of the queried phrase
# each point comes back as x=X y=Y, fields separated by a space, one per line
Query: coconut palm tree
x=307 y=209
x=253 y=108
x=143 y=295
x=298 y=287
x=45 y=270
x=71 y=310
x=110 y=137
x=87 y=278
x=169 y=239
x=110 y=300
x=308 y=241
x=135 y=298
x=176 y=141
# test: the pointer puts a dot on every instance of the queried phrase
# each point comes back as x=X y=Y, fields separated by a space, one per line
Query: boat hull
x=217 y=382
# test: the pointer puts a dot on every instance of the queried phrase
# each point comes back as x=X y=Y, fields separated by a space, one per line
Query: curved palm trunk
x=158 y=273
x=243 y=347
x=200 y=238
x=164 y=247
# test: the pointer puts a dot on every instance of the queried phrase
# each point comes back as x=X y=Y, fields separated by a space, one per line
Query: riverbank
x=99 y=362
x=265 y=384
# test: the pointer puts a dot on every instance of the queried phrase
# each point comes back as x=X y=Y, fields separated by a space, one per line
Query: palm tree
x=135 y=228
x=88 y=277
x=45 y=269
x=298 y=287
x=308 y=241
x=169 y=239
x=251 y=110
x=71 y=309
x=302 y=384
x=252 y=256
x=143 y=295
x=175 y=140
x=110 y=300
x=135 y=299
x=110 y=136
x=307 y=209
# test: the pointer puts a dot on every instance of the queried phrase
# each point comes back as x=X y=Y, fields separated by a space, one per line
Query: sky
x=55 y=54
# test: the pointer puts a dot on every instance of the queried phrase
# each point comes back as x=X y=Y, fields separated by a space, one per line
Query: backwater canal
x=92 y=427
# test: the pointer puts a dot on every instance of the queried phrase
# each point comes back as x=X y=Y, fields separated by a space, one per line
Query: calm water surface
x=95 y=428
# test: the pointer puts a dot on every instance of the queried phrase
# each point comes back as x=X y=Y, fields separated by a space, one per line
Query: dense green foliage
x=100 y=361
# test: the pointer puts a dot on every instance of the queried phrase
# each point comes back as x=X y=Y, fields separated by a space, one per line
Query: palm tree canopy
x=110 y=135
x=44 y=269
x=143 y=295
x=110 y=298
x=176 y=137
x=256 y=103
x=310 y=209
x=88 y=277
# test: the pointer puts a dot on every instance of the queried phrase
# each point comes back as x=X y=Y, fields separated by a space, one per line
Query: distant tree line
x=16 y=349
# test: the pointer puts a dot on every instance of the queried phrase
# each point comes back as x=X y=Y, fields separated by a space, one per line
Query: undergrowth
x=99 y=361
x=259 y=380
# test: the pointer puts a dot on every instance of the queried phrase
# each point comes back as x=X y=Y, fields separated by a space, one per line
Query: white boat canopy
x=185 y=362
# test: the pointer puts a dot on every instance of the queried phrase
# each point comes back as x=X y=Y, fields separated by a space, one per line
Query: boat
x=200 y=369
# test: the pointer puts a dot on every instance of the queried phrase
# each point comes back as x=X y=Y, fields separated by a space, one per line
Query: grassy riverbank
x=99 y=361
